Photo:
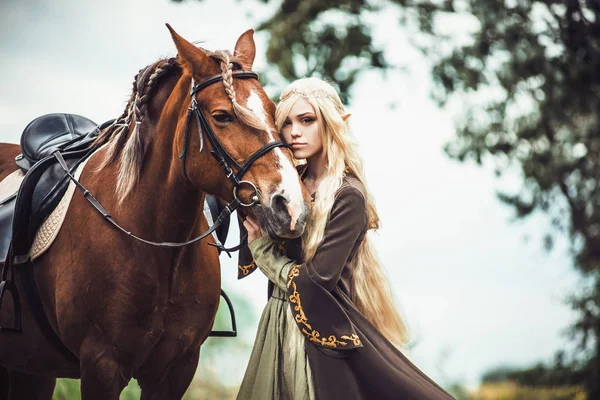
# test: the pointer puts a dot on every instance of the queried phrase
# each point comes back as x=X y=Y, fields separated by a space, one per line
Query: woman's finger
x=249 y=227
x=253 y=221
x=253 y=229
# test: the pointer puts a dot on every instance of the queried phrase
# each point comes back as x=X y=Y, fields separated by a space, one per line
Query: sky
x=477 y=288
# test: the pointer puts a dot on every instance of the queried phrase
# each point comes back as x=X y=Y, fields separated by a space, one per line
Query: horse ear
x=245 y=49
x=190 y=57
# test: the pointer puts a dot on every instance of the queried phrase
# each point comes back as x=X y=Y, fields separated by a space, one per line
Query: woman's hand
x=251 y=225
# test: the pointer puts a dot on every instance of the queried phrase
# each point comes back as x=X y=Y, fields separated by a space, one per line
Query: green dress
x=278 y=366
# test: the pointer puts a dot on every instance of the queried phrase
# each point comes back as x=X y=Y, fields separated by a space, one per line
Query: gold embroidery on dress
x=312 y=334
x=354 y=338
x=246 y=268
x=294 y=272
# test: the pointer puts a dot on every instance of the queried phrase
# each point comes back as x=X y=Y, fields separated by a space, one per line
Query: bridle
x=218 y=152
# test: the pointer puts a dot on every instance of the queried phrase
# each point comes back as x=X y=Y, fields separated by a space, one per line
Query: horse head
x=227 y=139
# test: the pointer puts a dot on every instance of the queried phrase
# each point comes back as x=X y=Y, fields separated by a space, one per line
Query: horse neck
x=162 y=201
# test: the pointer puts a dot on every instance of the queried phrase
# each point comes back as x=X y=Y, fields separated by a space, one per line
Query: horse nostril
x=279 y=203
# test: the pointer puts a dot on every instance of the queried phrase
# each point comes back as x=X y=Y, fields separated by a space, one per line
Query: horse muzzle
x=281 y=217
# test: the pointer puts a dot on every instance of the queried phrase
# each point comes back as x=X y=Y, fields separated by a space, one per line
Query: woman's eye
x=286 y=123
x=222 y=117
x=307 y=120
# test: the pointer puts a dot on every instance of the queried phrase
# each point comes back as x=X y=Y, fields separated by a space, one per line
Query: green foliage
x=558 y=374
x=323 y=38
x=512 y=391
x=541 y=59
x=68 y=389
x=457 y=391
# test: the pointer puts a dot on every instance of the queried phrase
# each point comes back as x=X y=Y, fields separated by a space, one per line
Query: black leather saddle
x=43 y=185
x=51 y=132
x=45 y=182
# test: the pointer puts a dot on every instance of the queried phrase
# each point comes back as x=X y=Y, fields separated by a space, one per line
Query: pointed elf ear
x=346 y=116
x=191 y=58
x=245 y=49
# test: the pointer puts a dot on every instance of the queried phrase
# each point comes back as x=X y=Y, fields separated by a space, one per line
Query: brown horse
x=126 y=309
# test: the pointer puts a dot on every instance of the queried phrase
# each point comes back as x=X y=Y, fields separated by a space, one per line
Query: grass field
x=511 y=391
x=68 y=389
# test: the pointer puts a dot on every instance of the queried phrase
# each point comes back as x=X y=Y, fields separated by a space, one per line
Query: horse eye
x=222 y=117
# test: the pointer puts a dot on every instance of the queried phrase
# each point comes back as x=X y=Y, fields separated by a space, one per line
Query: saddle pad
x=51 y=225
x=10 y=185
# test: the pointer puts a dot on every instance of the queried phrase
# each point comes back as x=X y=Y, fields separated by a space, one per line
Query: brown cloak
x=348 y=356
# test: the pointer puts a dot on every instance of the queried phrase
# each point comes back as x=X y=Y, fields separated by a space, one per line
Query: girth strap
x=33 y=297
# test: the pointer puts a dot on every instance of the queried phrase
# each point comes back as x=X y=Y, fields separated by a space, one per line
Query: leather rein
x=225 y=160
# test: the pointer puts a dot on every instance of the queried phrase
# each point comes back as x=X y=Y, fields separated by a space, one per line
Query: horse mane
x=129 y=150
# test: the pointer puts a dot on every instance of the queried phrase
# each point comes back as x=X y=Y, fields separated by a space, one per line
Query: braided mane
x=129 y=150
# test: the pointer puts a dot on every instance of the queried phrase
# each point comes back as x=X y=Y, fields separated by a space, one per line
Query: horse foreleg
x=102 y=376
x=174 y=383
x=25 y=386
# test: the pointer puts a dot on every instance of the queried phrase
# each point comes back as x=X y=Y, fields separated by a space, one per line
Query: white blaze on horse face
x=255 y=104
x=290 y=184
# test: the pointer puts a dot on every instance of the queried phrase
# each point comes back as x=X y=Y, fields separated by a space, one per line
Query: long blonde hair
x=372 y=294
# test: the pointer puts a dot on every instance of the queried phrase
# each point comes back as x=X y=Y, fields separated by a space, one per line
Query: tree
x=531 y=73
x=542 y=58
x=561 y=372
x=326 y=38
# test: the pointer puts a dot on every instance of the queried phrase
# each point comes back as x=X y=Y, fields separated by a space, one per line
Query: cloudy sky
x=478 y=291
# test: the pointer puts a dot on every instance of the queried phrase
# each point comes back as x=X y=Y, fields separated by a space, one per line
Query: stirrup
x=9 y=286
x=233 y=331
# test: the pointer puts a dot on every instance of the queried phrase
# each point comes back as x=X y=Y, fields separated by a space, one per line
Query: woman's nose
x=295 y=131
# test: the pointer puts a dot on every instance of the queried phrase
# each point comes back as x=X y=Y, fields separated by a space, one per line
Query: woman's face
x=300 y=130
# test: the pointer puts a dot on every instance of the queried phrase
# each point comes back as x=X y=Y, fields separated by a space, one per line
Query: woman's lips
x=297 y=145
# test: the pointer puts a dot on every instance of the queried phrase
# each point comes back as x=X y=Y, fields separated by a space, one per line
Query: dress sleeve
x=270 y=260
x=318 y=314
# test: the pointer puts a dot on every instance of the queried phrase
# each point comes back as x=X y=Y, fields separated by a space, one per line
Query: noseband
x=224 y=159
x=219 y=153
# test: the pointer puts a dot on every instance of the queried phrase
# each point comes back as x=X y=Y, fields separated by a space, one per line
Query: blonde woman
x=330 y=329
